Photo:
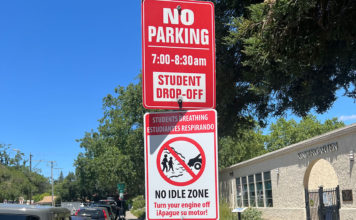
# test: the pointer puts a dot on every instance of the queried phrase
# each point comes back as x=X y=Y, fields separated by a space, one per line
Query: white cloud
x=347 y=117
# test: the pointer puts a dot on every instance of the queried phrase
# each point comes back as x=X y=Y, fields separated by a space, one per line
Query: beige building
x=313 y=178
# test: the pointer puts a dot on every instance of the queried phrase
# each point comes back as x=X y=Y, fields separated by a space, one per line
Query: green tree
x=279 y=55
x=4 y=156
x=234 y=99
x=284 y=133
x=114 y=154
x=68 y=188
x=248 y=143
x=61 y=177
x=39 y=183
x=244 y=145
x=16 y=179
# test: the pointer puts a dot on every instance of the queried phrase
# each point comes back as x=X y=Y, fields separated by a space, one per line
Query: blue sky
x=58 y=59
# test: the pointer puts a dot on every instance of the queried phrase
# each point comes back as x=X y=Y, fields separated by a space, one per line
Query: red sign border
x=215 y=165
x=202 y=156
x=172 y=105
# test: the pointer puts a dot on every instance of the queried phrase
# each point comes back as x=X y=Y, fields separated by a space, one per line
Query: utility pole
x=30 y=178
x=52 y=182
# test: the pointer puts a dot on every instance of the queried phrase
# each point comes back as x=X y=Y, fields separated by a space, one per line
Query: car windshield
x=17 y=217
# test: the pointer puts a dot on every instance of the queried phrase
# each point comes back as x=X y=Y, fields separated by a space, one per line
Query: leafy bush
x=138 y=207
x=39 y=197
x=225 y=211
x=252 y=214
x=227 y=214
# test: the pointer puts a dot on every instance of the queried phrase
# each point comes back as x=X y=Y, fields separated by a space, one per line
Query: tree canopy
x=16 y=180
x=249 y=143
x=272 y=57
x=243 y=145
x=284 y=133
x=67 y=187
x=115 y=152
x=281 y=55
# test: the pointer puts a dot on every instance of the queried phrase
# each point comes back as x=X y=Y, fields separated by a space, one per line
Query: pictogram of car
x=195 y=162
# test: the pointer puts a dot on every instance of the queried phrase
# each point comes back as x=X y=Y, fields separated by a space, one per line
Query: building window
x=238 y=192
x=244 y=192
x=268 y=188
x=251 y=186
x=259 y=187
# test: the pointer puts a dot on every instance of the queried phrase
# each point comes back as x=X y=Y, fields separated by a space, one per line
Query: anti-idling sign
x=181 y=165
x=178 y=54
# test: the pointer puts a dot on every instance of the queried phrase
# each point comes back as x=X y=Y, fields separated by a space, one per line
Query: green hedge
x=252 y=214
x=138 y=207
x=227 y=214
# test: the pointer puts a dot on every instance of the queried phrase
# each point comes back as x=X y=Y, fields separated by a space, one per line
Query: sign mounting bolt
x=179 y=8
x=180 y=102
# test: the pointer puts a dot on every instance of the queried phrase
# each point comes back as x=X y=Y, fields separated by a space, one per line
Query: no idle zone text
x=183 y=193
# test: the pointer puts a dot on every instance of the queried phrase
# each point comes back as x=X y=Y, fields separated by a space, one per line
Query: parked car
x=99 y=213
x=111 y=211
x=32 y=212
x=107 y=201
x=118 y=208
x=79 y=218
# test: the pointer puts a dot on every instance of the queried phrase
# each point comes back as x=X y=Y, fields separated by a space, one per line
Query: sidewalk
x=129 y=216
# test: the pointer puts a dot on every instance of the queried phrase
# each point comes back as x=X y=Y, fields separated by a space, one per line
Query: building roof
x=296 y=147
x=46 y=200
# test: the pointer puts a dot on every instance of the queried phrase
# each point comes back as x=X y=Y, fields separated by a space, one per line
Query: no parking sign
x=181 y=165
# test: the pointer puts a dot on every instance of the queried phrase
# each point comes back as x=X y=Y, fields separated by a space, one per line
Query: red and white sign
x=178 y=54
x=181 y=165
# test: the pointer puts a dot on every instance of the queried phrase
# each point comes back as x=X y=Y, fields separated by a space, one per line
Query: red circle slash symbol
x=198 y=163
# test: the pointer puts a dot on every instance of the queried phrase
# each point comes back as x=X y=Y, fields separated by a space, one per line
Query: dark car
x=196 y=162
x=99 y=213
x=118 y=207
x=107 y=202
x=32 y=212
x=79 y=218
x=111 y=210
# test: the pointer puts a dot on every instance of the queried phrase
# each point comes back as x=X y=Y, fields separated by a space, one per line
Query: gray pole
x=30 y=178
x=52 y=182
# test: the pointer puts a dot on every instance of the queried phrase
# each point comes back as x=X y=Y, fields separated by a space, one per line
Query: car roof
x=78 y=217
x=100 y=208
x=88 y=208
x=31 y=209
x=100 y=205
x=107 y=201
x=93 y=208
